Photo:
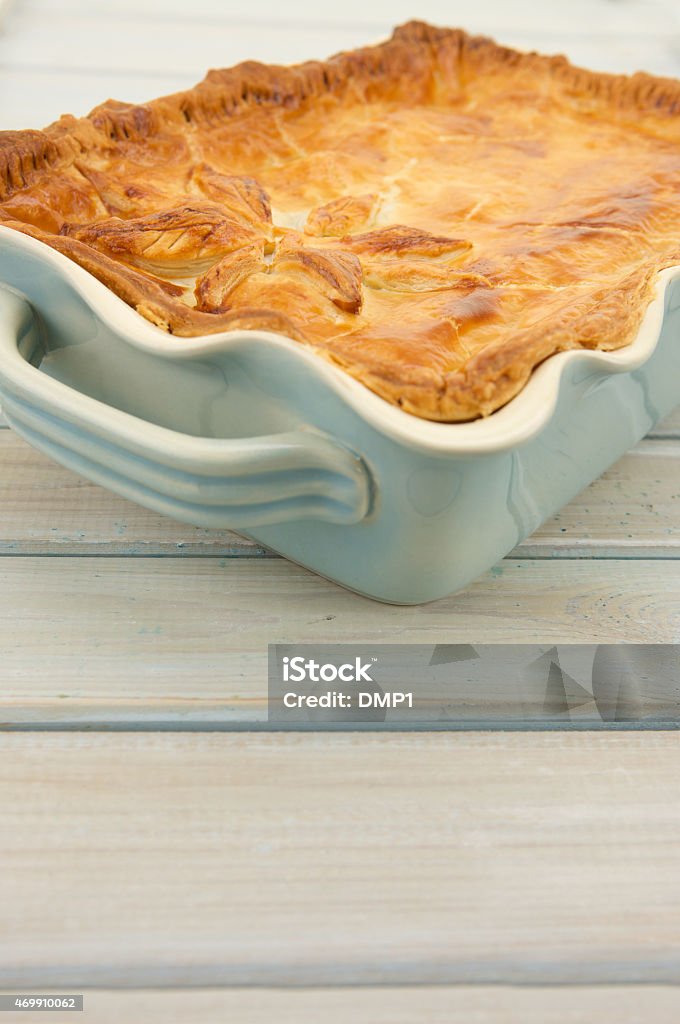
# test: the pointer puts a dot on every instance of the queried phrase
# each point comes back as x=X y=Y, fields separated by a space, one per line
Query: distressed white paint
x=441 y=1004
x=159 y=641
x=179 y=860
x=632 y=511
x=172 y=860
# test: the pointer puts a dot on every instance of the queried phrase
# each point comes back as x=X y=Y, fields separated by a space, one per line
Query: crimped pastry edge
x=498 y=372
x=516 y=423
x=25 y=154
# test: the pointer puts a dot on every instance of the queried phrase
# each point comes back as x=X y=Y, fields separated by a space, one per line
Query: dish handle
x=216 y=482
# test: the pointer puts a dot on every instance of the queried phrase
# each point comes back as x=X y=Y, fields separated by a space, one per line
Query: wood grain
x=338 y=860
x=46 y=509
x=632 y=511
x=169 y=642
x=546 y=865
x=444 y=1004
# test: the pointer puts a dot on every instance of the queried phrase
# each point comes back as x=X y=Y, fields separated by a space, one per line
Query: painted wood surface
x=176 y=859
x=622 y=528
x=387 y=1004
x=549 y=861
x=632 y=511
x=160 y=642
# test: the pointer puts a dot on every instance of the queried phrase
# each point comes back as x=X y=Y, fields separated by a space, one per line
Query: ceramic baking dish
x=251 y=431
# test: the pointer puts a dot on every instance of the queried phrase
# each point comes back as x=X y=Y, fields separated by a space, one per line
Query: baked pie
x=436 y=215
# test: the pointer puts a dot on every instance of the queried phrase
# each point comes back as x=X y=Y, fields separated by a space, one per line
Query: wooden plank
x=45 y=509
x=339 y=860
x=157 y=643
x=632 y=511
x=444 y=1004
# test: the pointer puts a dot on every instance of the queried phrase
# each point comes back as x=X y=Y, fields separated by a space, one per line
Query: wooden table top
x=189 y=875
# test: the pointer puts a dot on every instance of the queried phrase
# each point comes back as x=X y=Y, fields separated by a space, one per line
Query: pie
x=436 y=215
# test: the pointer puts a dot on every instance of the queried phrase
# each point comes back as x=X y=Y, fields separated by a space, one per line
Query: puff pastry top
x=436 y=215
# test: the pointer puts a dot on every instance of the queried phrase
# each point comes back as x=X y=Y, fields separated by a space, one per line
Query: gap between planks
x=630 y=512
x=172 y=644
x=338 y=860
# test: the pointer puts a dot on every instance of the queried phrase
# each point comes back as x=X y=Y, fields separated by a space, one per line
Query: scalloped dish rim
x=521 y=419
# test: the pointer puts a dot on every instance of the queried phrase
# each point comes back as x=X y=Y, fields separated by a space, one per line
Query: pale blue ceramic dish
x=251 y=431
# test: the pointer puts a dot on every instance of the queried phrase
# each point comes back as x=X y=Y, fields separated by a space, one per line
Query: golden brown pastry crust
x=436 y=215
